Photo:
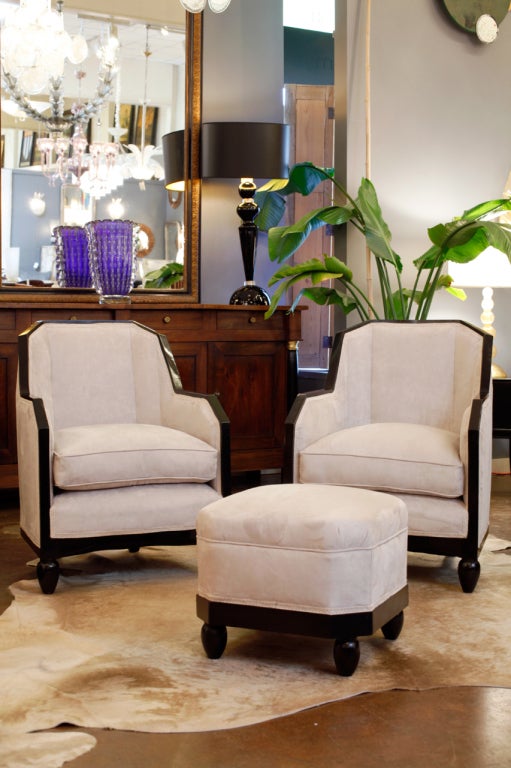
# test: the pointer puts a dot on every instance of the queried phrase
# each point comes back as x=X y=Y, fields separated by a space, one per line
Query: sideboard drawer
x=249 y=320
x=169 y=320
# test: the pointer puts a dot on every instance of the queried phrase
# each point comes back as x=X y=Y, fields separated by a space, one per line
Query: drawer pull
x=73 y=317
x=252 y=319
x=166 y=319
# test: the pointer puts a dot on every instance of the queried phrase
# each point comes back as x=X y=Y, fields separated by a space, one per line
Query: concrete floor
x=449 y=727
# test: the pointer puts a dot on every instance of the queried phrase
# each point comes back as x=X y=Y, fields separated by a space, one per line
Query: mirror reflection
x=95 y=166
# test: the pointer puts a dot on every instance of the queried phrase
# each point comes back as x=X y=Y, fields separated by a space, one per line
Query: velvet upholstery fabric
x=396 y=416
x=318 y=548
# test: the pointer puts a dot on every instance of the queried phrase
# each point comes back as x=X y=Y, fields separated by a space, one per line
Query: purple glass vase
x=72 y=257
x=112 y=252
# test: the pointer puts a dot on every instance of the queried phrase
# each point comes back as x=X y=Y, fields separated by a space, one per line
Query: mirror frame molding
x=193 y=119
x=192 y=201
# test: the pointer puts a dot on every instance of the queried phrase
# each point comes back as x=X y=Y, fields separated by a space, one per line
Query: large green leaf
x=463 y=249
x=335 y=268
x=377 y=233
x=483 y=209
x=499 y=236
x=330 y=296
x=279 y=291
x=430 y=259
x=305 y=177
x=272 y=207
x=283 y=242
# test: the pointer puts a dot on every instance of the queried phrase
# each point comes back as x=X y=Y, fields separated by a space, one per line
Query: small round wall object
x=486 y=28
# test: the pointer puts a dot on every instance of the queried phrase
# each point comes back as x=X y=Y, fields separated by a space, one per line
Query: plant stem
x=431 y=291
x=388 y=304
x=357 y=292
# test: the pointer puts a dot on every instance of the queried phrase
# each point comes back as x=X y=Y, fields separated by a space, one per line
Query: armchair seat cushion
x=114 y=455
x=392 y=457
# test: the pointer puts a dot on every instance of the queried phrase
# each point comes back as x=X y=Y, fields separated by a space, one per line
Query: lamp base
x=250 y=293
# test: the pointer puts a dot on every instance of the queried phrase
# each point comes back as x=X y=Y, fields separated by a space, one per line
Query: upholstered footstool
x=317 y=560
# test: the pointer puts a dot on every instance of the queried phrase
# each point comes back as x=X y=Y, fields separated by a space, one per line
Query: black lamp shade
x=173 y=145
x=245 y=150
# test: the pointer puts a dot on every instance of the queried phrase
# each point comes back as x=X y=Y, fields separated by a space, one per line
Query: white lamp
x=491 y=269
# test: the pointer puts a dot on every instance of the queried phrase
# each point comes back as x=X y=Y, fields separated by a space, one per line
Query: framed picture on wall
x=151 y=118
x=127 y=121
x=27 y=148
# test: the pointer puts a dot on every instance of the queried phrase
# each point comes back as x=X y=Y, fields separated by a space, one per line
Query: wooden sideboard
x=250 y=362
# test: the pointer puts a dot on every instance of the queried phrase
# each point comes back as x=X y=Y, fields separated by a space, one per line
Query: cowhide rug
x=118 y=646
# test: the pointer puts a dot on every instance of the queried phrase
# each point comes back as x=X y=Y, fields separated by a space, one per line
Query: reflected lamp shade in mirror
x=173 y=146
x=246 y=151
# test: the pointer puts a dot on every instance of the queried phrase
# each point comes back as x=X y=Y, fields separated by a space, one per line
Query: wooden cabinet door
x=250 y=379
x=191 y=363
x=309 y=109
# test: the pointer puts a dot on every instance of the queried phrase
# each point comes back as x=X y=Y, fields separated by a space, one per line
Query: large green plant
x=460 y=240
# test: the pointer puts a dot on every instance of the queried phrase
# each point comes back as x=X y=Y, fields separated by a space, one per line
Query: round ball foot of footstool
x=346 y=656
x=392 y=629
x=214 y=640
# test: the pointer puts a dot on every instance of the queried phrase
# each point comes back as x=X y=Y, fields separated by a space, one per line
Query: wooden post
x=369 y=276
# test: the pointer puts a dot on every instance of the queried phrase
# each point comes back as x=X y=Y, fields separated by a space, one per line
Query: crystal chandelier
x=140 y=164
x=104 y=169
x=35 y=47
x=196 y=6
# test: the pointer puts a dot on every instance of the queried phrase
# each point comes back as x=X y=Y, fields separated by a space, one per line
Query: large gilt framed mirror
x=33 y=204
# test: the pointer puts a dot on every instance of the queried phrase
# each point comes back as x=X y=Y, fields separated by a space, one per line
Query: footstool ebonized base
x=344 y=628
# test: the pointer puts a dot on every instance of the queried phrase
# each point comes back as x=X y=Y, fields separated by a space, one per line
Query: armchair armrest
x=312 y=416
x=34 y=460
x=203 y=417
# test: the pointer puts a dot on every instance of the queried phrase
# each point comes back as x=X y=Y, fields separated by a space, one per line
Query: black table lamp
x=246 y=151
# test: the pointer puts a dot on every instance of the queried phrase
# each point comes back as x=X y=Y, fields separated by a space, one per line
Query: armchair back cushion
x=409 y=373
x=99 y=377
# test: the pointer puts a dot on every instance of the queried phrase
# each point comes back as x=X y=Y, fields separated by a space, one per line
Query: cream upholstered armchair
x=406 y=409
x=112 y=453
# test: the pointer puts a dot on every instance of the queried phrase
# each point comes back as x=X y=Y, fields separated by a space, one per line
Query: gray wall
x=440 y=133
x=242 y=81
